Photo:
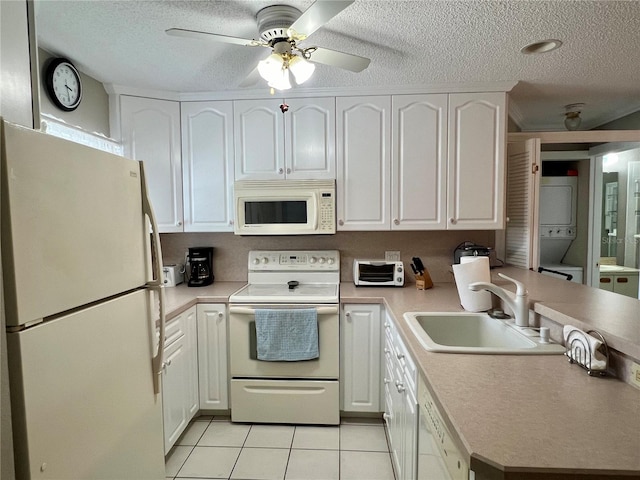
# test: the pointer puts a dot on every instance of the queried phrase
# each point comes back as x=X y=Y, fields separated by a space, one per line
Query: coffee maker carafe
x=200 y=267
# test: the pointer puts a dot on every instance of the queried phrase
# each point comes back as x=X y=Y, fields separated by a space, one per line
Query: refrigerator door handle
x=156 y=283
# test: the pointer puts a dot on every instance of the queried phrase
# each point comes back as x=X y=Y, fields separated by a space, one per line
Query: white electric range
x=297 y=392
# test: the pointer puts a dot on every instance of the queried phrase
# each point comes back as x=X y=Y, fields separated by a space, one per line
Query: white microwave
x=284 y=207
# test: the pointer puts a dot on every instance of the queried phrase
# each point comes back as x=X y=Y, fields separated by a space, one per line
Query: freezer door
x=82 y=395
x=72 y=225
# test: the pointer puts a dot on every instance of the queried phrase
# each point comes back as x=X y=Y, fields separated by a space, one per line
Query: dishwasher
x=438 y=456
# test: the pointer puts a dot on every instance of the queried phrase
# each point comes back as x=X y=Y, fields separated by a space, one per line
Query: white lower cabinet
x=212 y=356
x=400 y=404
x=360 y=357
x=179 y=376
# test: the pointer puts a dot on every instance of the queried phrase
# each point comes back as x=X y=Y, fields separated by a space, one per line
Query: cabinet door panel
x=207 y=165
x=191 y=338
x=310 y=138
x=361 y=358
x=151 y=133
x=212 y=357
x=419 y=162
x=259 y=139
x=174 y=386
x=477 y=125
x=364 y=152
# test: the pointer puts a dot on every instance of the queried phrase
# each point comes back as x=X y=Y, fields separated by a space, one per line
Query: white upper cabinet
x=421 y=162
x=477 y=141
x=363 y=162
x=310 y=138
x=296 y=144
x=259 y=139
x=207 y=166
x=419 y=173
x=150 y=132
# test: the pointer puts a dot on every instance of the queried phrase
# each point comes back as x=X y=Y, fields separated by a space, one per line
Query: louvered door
x=523 y=177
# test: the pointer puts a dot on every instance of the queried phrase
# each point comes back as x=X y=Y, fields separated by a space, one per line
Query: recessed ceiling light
x=543 y=46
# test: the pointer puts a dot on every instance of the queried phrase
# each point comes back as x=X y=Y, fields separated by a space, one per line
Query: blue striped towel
x=287 y=335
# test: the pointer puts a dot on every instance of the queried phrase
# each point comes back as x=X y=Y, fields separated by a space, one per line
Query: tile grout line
x=193 y=447
x=235 y=464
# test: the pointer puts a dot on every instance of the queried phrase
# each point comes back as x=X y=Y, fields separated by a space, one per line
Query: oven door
x=242 y=345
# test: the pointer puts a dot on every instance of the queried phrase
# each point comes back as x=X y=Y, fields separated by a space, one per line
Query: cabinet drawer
x=175 y=329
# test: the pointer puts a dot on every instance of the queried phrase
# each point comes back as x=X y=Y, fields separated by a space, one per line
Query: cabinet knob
x=386 y=381
x=396 y=221
x=400 y=387
x=288 y=171
x=340 y=222
x=281 y=171
x=453 y=221
x=178 y=224
x=347 y=314
x=220 y=315
x=400 y=356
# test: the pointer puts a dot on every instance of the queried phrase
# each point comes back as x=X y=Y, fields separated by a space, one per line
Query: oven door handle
x=252 y=311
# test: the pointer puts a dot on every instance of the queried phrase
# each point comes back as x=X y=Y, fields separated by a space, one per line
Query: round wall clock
x=63 y=84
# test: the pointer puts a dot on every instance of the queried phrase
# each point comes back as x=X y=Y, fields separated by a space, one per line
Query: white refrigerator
x=84 y=311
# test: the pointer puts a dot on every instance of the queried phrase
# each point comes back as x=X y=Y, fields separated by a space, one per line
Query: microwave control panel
x=327 y=212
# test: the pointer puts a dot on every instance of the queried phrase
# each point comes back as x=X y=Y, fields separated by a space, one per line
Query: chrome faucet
x=518 y=303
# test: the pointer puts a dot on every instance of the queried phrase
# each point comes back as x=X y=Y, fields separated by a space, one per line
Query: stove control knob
x=331 y=261
x=265 y=260
x=256 y=261
x=313 y=260
x=322 y=260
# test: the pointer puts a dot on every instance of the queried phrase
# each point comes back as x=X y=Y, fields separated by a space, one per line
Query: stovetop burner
x=280 y=293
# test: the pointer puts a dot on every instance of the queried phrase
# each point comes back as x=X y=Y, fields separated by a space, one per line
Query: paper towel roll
x=469 y=271
x=470 y=258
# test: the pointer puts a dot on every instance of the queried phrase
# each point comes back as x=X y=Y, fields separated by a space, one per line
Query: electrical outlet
x=392 y=256
x=635 y=374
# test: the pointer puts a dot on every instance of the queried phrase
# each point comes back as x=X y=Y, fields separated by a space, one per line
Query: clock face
x=64 y=85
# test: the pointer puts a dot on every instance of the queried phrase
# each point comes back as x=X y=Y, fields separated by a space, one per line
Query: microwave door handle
x=252 y=311
x=316 y=212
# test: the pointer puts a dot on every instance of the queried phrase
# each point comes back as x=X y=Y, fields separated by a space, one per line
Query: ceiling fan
x=281 y=27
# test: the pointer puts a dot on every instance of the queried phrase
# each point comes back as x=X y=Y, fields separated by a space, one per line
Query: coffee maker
x=200 y=266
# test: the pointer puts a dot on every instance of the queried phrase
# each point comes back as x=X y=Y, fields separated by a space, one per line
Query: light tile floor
x=213 y=447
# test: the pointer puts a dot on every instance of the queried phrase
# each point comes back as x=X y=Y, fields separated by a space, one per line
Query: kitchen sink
x=462 y=332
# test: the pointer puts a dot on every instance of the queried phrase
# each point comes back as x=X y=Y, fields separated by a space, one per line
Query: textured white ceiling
x=409 y=43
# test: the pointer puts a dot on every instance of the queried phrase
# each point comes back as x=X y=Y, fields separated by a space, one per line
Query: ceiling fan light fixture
x=281 y=80
x=271 y=66
x=301 y=69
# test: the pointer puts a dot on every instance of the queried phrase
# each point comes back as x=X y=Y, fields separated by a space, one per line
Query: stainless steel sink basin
x=462 y=332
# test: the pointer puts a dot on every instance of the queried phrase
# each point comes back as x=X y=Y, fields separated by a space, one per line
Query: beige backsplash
x=435 y=248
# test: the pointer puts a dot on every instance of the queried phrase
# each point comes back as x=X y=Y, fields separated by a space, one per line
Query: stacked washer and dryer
x=558 y=206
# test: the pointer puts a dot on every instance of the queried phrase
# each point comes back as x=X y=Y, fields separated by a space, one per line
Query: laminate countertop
x=518 y=417
x=531 y=416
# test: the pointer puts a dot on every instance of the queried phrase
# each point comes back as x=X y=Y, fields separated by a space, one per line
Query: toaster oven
x=378 y=273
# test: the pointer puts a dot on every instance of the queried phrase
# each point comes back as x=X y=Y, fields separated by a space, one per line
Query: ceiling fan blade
x=180 y=32
x=318 y=14
x=334 y=58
